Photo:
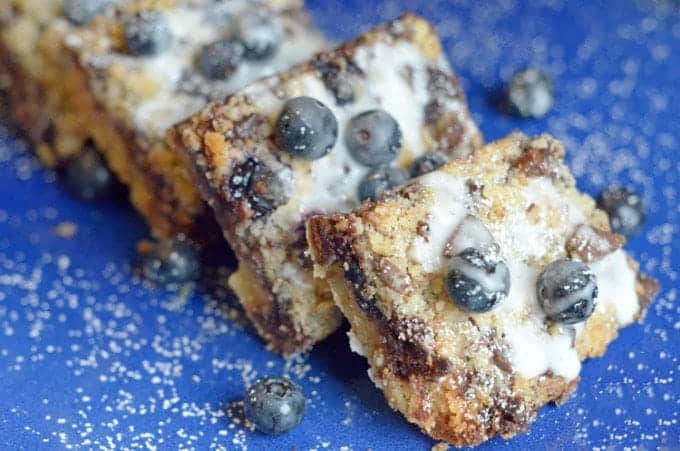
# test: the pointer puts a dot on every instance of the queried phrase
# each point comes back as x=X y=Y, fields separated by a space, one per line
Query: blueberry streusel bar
x=476 y=290
x=115 y=74
x=344 y=126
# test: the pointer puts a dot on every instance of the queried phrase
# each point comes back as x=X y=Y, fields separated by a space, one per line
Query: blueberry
x=625 y=209
x=530 y=93
x=172 y=261
x=477 y=280
x=381 y=179
x=567 y=290
x=147 y=33
x=275 y=405
x=86 y=176
x=306 y=128
x=427 y=163
x=373 y=138
x=260 y=35
x=220 y=59
x=81 y=12
x=257 y=185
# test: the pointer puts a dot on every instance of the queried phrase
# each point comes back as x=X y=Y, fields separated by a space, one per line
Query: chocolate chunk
x=337 y=78
x=433 y=111
x=647 y=289
x=409 y=345
x=423 y=230
x=590 y=244
x=442 y=85
x=449 y=131
x=354 y=274
x=502 y=361
x=539 y=158
x=392 y=276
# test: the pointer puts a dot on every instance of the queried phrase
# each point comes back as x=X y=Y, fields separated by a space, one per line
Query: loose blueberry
x=427 y=163
x=567 y=290
x=306 y=128
x=373 y=138
x=147 y=33
x=220 y=59
x=477 y=280
x=625 y=209
x=81 y=12
x=275 y=405
x=381 y=179
x=530 y=93
x=260 y=35
x=172 y=261
x=87 y=177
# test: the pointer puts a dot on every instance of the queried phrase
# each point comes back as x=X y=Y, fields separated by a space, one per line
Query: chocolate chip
x=410 y=344
x=392 y=276
x=590 y=244
x=336 y=80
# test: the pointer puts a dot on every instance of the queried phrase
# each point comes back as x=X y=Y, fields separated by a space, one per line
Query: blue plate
x=92 y=357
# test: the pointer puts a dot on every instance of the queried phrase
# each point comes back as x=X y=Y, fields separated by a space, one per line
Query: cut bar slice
x=262 y=195
x=410 y=271
x=123 y=79
x=41 y=115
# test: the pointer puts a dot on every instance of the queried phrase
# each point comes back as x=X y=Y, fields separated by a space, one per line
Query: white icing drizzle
x=331 y=183
x=444 y=217
x=533 y=351
x=193 y=25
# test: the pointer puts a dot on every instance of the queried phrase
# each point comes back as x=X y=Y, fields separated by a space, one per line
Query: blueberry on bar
x=122 y=78
x=344 y=126
x=476 y=290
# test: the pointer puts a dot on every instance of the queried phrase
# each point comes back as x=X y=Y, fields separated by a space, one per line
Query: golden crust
x=446 y=370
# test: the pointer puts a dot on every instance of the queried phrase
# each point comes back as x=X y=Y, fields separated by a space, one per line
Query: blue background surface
x=92 y=357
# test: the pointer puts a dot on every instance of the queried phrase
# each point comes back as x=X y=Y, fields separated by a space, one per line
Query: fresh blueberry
x=381 y=179
x=275 y=405
x=306 y=128
x=530 y=93
x=373 y=138
x=427 y=163
x=260 y=35
x=477 y=280
x=147 y=33
x=567 y=290
x=81 y=12
x=87 y=177
x=625 y=209
x=220 y=59
x=171 y=261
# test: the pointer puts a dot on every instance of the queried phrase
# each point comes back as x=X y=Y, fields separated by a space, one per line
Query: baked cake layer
x=262 y=194
x=460 y=368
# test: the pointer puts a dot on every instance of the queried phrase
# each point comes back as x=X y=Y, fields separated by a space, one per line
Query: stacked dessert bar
x=391 y=85
x=476 y=290
x=116 y=74
x=475 y=279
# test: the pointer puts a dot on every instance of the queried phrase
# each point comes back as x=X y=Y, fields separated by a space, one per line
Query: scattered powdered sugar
x=92 y=358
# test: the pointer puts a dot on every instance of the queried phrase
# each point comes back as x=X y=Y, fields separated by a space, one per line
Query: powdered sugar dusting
x=616 y=111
